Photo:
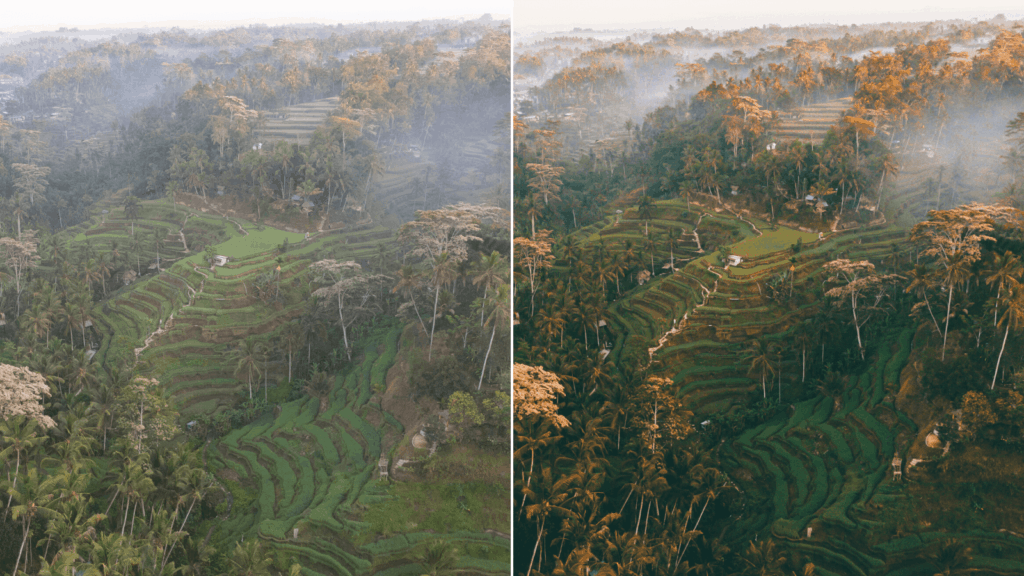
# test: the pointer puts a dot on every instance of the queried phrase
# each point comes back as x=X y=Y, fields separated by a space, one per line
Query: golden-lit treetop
x=960 y=231
x=534 y=393
x=21 y=393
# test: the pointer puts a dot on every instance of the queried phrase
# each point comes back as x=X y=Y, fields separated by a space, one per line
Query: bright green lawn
x=770 y=241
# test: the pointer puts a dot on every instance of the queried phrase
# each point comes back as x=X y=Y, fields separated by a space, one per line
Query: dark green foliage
x=438 y=379
x=956 y=376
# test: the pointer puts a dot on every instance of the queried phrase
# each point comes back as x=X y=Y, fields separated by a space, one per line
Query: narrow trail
x=170 y=319
x=686 y=316
x=240 y=229
x=181 y=232
x=742 y=219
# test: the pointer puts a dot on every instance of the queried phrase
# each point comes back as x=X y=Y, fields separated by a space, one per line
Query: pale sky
x=20 y=15
x=553 y=15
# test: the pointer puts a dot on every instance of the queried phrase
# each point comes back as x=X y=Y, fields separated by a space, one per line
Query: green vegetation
x=768 y=403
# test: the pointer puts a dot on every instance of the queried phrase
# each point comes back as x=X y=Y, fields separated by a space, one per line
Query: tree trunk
x=433 y=321
x=22 y=548
x=487 y=355
x=344 y=331
x=540 y=534
x=949 y=304
x=999 y=359
x=856 y=325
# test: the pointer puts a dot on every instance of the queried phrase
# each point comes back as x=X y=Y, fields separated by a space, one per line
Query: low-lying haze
x=19 y=17
x=542 y=15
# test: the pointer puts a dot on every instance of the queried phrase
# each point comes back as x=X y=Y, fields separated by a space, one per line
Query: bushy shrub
x=438 y=379
x=956 y=376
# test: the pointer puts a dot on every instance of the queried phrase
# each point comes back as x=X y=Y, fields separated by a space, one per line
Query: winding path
x=165 y=326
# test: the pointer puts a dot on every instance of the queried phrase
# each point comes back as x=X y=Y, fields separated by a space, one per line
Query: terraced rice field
x=810 y=123
x=310 y=472
x=474 y=175
x=821 y=464
x=295 y=124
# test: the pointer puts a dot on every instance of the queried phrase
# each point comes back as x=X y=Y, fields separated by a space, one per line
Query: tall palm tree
x=319 y=386
x=491 y=270
x=1005 y=267
x=645 y=209
x=498 y=317
x=34 y=496
x=104 y=267
x=292 y=337
x=90 y=272
x=247 y=358
x=104 y=396
x=37 y=321
x=159 y=236
x=760 y=354
x=19 y=436
x=445 y=272
x=375 y=166
x=1013 y=317
x=82 y=303
x=958 y=272
x=408 y=282
x=80 y=372
x=131 y=210
x=920 y=283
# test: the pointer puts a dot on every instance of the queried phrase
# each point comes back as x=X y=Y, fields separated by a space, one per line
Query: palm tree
x=920 y=284
x=131 y=210
x=551 y=323
x=249 y=559
x=492 y=269
x=889 y=167
x=69 y=313
x=804 y=336
x=104 y=267
x=958 y=272
x=319 y=386
x=292 y=336
x=1013 y=317
x=104 y=397
x=445 y=272
x=950 y=557
x=159 y=235
x=37 y=321
x=437 y=558
x=81 y=371
x=375 y=167
x=645 y=211
x=34 y=496
x=247 y=358
x=499 y=316
x=408 y=281
x=762 y=559
x=136 y=247
x=1005 y=267
x=760 y=354
x=19 y=435
x=90 y=272
x=82 y=303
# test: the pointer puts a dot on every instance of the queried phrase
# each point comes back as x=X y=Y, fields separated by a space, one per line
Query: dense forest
x=254 y=305
x=770 y=319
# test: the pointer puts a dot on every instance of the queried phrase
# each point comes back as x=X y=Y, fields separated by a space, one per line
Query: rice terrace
x=777 y=329
x=255 y=320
